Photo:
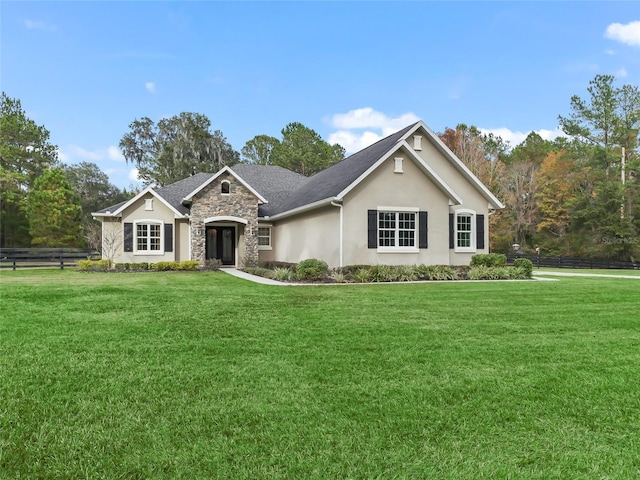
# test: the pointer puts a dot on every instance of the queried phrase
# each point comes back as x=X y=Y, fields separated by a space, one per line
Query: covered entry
x=223 y=238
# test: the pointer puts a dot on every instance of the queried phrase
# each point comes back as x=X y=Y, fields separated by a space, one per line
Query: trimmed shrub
x=139 y=267
x=188 y=265
x=525 y=265
x=94 y=265
x=164 y=266
x=312 y=269
x=489 y=260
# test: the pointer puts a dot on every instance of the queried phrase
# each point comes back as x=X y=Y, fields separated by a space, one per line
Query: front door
x=221 y=244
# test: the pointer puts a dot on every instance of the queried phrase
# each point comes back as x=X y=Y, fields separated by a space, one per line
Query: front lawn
x=203 y=375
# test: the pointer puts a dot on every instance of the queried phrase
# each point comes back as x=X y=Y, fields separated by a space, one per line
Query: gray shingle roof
x=283 y=189
x=330 y=182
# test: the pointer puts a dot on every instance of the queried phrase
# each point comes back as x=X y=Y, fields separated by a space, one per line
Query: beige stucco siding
x=314 y=234
x=181 y=235
x=384 y=188
x=160 y=213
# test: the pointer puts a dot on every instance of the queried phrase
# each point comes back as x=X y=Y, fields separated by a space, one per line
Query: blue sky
x=353 y=71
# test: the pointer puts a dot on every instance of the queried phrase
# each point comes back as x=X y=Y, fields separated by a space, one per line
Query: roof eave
x=302 y=209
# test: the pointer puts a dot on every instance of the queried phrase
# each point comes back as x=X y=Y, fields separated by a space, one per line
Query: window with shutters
x=397 y=230
x=465 y=231
x=148 y=237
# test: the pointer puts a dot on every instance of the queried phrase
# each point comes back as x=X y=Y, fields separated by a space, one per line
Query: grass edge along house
x=406 y=199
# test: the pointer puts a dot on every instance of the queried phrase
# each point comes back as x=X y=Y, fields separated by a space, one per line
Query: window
x=417 y=142
x=463 y=231
x=148 y=238
x=225 y=187
x=148 y=204
x=264 y=238
x=397 y=229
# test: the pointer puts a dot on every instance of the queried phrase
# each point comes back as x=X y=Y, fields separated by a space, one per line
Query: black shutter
x=128 y=237
x=372 y=229
x=168 y=237
x=480 y=232
x=423 y=237
x=452 y=231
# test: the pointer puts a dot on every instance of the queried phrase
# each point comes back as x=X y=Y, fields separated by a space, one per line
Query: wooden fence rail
x=44 y=257
x=571 y=262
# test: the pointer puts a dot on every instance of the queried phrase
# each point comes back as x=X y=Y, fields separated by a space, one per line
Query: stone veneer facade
x=239 y=202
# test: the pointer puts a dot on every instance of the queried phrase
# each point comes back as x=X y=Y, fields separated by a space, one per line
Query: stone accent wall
x=240 y=202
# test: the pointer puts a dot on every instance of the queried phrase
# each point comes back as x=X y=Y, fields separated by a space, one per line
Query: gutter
x=339 y=205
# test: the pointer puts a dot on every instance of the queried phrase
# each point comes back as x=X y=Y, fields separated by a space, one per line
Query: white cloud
x=150 y=86
x=38 y=25
x=622 y=72
x=133 y=175
x=628 y=34
x=353 y=142
x=114 y=153
x=75 y=153
x=516 y=138
x=369 y=120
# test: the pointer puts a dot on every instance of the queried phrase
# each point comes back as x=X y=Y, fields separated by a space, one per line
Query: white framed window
x=417 y=142
x=264 y=238
x=465 y=231
x=148 y=204
x=398 y=165
x=148 y=238
x=397 y=230
x=225 y=187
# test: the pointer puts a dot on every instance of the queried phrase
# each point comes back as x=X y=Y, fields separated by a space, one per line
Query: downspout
x=339 y=205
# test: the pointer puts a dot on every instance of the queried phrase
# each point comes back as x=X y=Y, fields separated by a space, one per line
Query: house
x=406 y=199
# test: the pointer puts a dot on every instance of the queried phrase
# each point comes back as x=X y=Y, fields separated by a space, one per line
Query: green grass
x=588 y=271
x=202 y=375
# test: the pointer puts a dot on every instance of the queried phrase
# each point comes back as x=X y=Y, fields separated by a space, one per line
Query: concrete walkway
x=252 y=278
x=573 y=274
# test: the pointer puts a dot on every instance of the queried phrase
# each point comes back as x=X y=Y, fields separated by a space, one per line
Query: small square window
x=264 y=238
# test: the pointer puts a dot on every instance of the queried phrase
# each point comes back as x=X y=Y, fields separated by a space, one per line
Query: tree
x=175 y=148
x=93 y=188
x=25 y=153
x=258 y=150
x=302 y=150
x=54 y=212
x=605 y=130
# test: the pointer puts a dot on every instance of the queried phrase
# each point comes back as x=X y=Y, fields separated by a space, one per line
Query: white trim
x=189 y=197
x=142 y=194
x=399 y=209
x=397 y=167
x=473 y=246
x=145 y=221
x=225 y=218
x=265 y=247
x=416 y=231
